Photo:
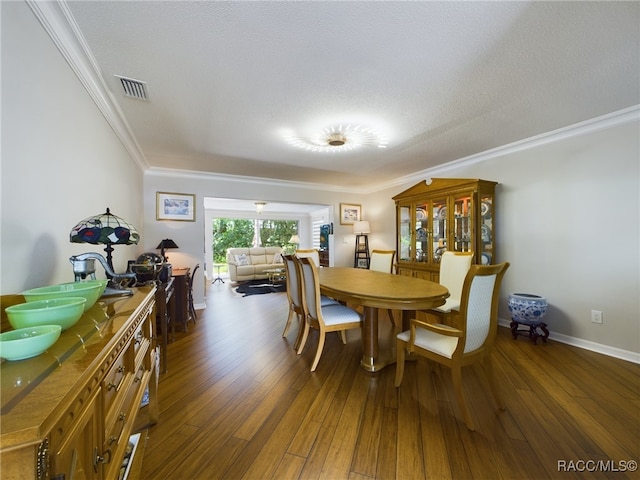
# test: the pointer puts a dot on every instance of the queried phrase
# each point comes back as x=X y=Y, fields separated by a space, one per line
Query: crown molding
x=171 y=172
x=603 y=122
x=59 y=24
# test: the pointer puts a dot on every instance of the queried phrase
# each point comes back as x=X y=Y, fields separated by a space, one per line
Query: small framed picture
x=363 y=263
x=350 y=213
x=175 y=206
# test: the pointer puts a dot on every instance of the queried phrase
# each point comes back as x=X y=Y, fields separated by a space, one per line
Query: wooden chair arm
x=437 y=328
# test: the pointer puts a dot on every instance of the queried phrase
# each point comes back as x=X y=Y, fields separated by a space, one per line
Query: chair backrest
x=479 y=306
x=382 y=260
x=310 y=253
x=453 y=270
x=192 y=275
x=293 y=280
x=311 y=289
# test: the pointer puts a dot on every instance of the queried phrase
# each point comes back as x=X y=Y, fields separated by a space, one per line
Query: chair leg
x=303 y=339
x=301 y=323
x=319 y=351
x=488 y=367
x=456 y=374
x=391 y=319
x=286 y=327
x=343 y=336
x=401 y=353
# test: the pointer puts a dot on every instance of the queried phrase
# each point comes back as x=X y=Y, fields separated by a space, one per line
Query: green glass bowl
x=54 y=311
x=91 y=290
x=28 y=342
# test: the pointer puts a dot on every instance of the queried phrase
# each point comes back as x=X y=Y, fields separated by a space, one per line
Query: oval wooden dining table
x=373 y=290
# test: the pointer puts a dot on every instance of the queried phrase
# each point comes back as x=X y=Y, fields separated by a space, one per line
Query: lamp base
x=361 y=258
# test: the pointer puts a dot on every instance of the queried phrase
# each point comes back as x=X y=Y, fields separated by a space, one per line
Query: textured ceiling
x=443 y=80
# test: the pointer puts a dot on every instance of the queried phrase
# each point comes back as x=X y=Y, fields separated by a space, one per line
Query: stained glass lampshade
x=105 y=229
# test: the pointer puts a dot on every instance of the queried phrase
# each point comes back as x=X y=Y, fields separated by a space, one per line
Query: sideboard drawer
x=114 y=380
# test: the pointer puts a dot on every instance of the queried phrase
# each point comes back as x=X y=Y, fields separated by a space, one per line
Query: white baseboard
x=626 y=355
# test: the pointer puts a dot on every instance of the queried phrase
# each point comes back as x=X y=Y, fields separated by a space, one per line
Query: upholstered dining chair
x=329 y=318
x=382 y=261
x=453 y=270
x=294 y=296
x=309 y=253
x=294 y=293
x=470 y=343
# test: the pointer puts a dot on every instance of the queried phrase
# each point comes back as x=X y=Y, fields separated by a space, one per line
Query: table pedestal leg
x=372 y=361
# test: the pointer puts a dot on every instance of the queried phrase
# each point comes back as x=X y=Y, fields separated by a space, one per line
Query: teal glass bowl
x=91 y=290
x=28 y=342
x=54 y=311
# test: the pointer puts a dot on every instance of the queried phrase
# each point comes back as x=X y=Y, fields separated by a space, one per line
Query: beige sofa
x=250 y=263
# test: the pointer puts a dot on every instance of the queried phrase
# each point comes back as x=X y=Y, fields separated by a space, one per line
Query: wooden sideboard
x=69 y=412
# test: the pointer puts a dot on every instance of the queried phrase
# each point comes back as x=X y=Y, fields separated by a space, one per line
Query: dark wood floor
x=238 y=403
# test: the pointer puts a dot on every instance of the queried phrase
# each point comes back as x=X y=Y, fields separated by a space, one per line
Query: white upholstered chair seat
x=337 y=314
x=327 y=301
x=449 y=304
x=432 y=341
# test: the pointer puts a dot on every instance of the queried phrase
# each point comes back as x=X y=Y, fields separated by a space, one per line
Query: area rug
x=259 y=287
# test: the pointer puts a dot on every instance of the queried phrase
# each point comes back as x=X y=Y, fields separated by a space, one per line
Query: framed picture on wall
x=350 y=213
x=175 y=206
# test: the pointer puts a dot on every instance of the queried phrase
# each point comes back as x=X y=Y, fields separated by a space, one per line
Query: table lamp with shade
x=164 y=245
x=295 y=241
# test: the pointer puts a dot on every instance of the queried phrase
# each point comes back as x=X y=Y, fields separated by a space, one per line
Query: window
x=317 y=223
x=239 y=233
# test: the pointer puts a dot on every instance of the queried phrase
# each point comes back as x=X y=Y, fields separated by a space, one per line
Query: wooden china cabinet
x=447 y=214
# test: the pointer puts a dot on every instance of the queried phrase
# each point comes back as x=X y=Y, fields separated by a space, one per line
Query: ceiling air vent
x=133 y=88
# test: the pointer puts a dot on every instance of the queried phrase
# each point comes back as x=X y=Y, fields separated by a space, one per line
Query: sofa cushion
x=242 y=259
x=258 y=255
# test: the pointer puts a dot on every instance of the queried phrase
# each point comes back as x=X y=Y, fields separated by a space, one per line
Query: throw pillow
x=242 y=259
x=277 y=258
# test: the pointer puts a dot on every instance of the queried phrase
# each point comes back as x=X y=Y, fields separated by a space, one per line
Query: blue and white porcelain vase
x=527 y=308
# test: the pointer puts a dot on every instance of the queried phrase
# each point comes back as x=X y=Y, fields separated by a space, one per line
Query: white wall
x=61 y=161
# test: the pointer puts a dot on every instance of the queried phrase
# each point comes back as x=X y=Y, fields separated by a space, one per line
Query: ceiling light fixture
x=339 y=138
x=259 y=206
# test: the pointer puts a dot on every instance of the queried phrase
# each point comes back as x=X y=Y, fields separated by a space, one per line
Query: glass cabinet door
x=439 y=229
x=422 y=233
x=404 y=233
x=462 y=223
x=485 y=235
